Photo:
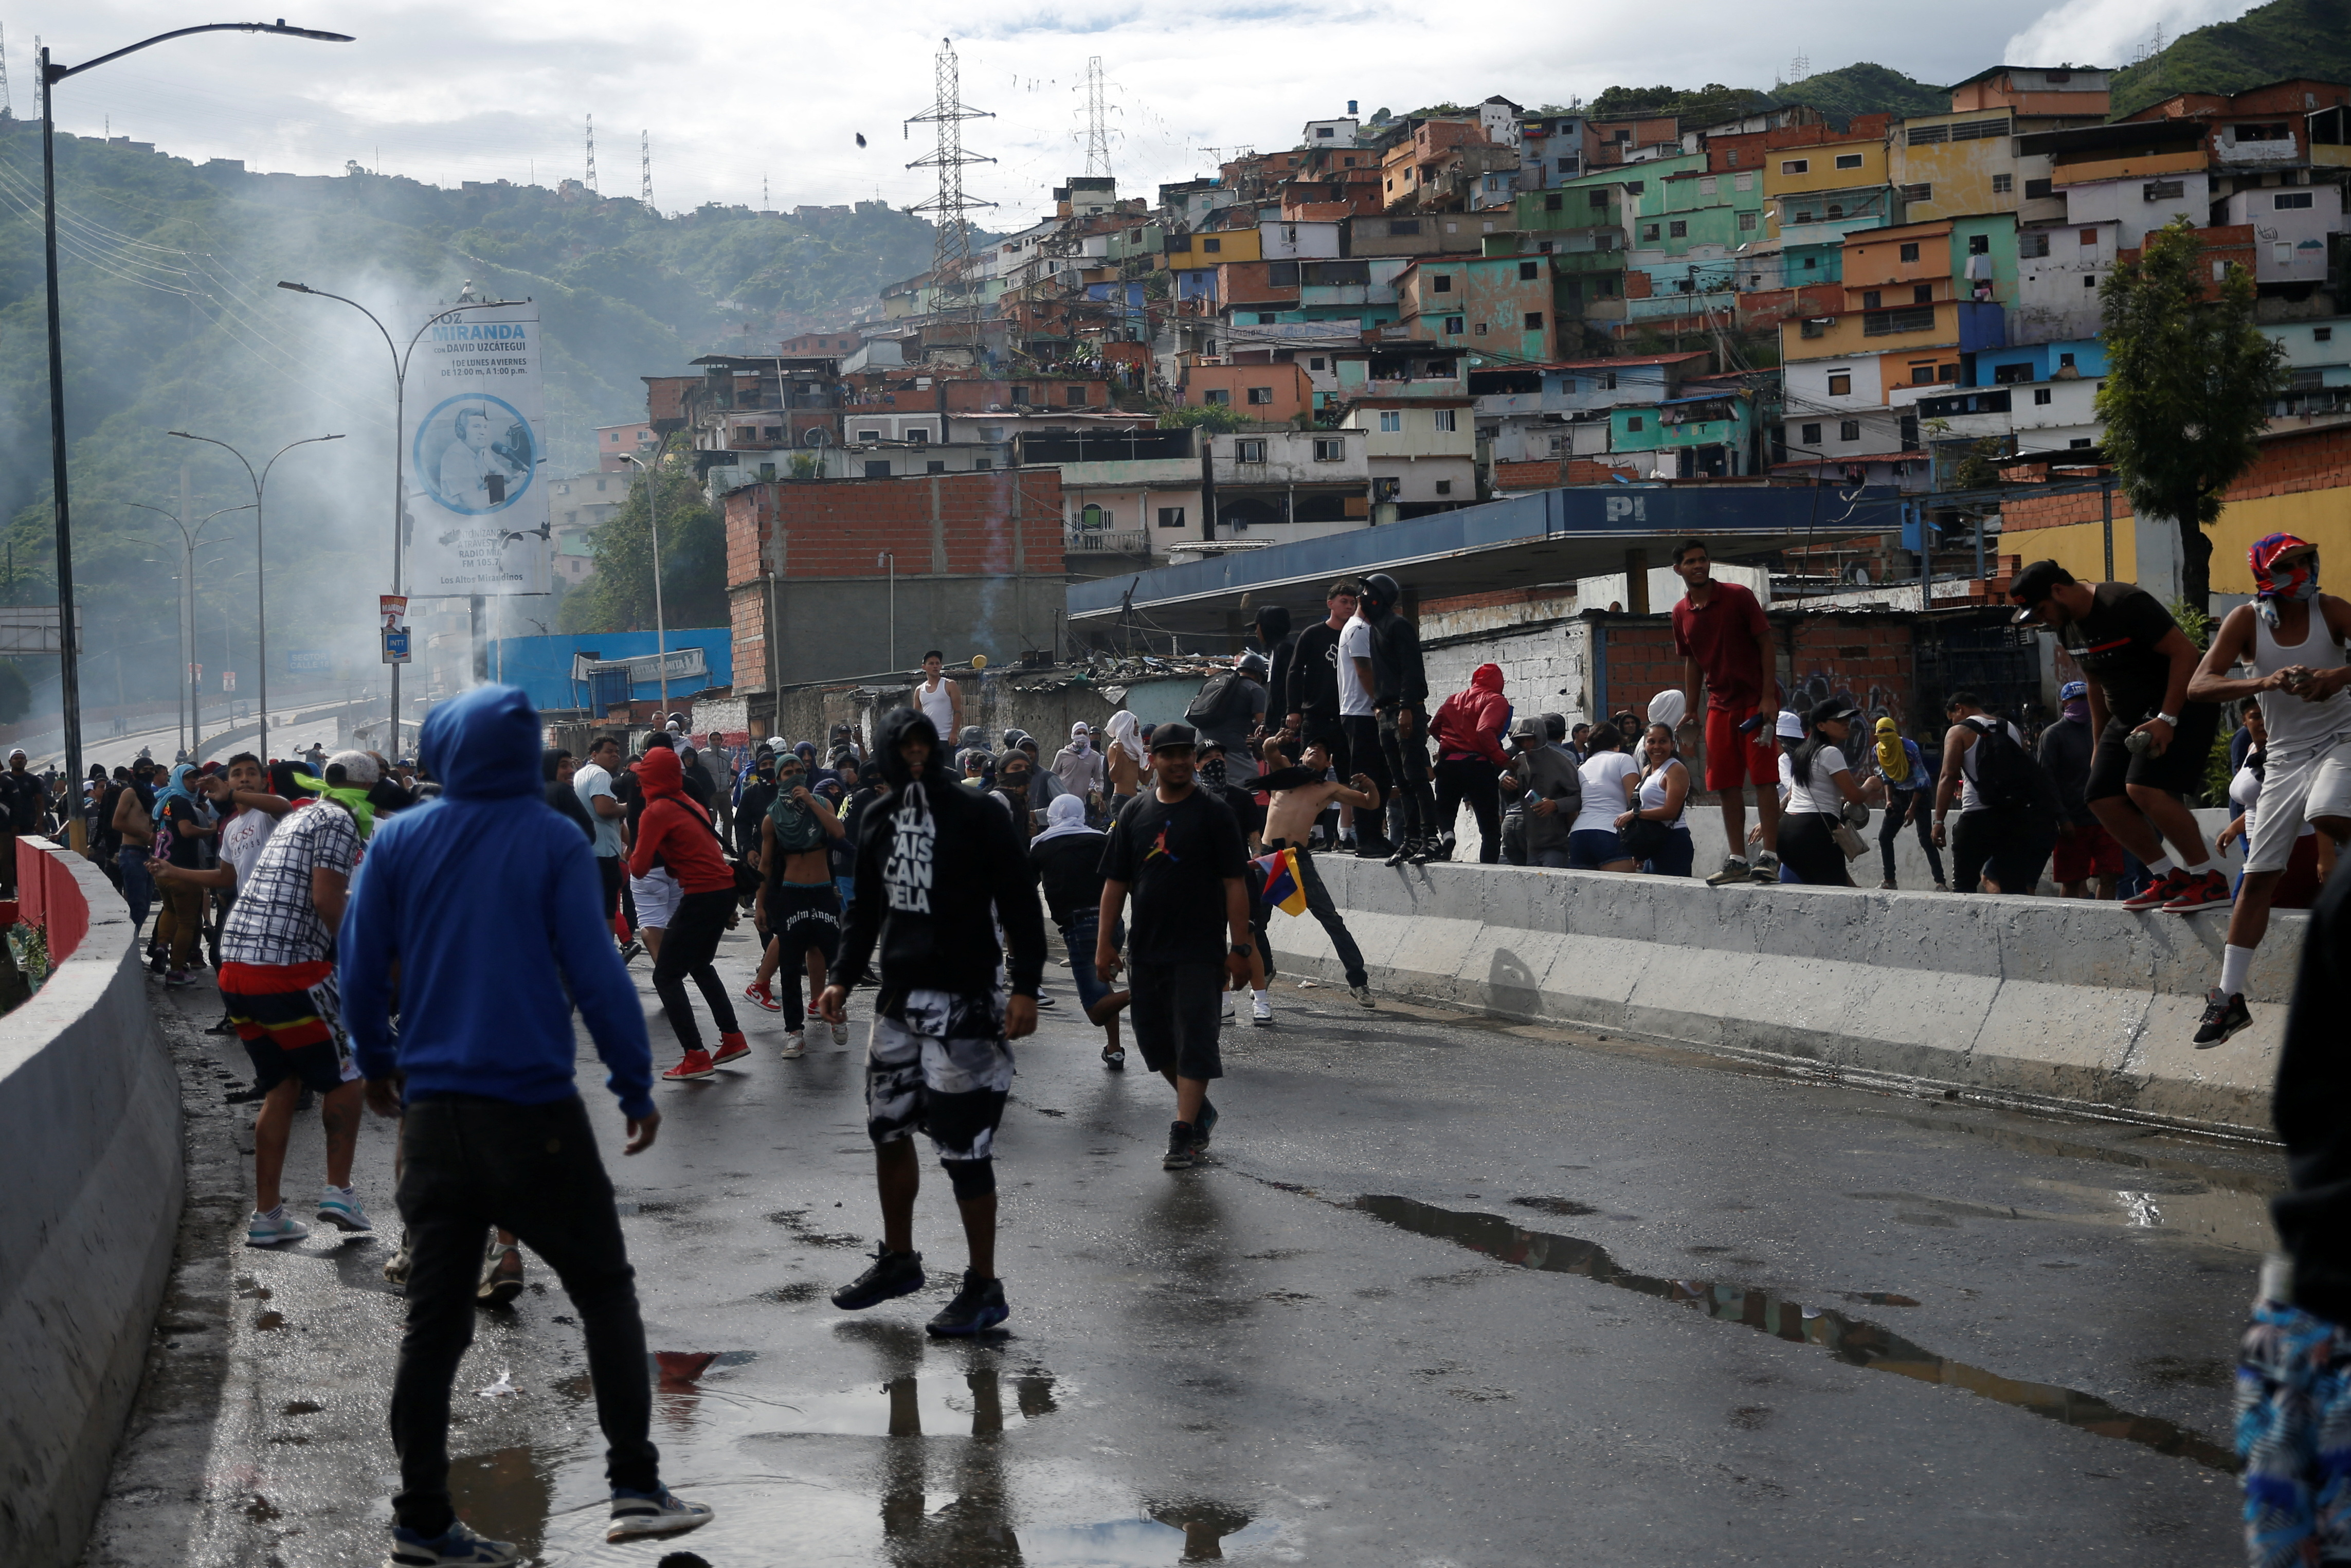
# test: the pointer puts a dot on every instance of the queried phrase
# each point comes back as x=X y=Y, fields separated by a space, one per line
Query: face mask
x=1213 y=770
x=2077 y=709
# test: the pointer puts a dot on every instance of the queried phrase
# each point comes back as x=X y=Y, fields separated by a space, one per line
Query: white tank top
x=1652 y=795
x=2296 y=726
x=939 y=706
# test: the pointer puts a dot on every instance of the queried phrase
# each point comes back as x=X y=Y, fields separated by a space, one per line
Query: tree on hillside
x=619 y=596
x=2189 y=378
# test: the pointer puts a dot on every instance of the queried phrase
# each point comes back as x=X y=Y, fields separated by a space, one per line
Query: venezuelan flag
x=1284 y=888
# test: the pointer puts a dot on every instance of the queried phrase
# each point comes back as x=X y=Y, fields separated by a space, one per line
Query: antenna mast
x=592 y=152
x=1097 y=133
x=646 y=169
x=953 y=291
x=6 y=106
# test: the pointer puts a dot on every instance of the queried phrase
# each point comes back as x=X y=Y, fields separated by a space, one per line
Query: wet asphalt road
x=1452 y=1292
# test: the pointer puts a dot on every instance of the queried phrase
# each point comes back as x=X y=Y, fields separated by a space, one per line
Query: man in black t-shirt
x=2140 y=663
x=1180 y=851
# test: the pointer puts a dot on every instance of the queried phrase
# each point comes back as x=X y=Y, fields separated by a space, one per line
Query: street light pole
x=653 y=520
x=189 y=539
x=260 y=573
x=890 y=558
x=400 y=358
x=69 y=656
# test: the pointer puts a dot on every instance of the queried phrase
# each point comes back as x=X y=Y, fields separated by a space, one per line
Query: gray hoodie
x=1548 y=773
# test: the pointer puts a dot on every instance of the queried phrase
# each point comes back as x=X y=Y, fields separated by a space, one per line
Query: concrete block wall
x=90 y=1159
x=2040 y=1000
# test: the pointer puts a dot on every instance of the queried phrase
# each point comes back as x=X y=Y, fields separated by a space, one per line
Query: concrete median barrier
x=90 y=1160
x=2037 y=999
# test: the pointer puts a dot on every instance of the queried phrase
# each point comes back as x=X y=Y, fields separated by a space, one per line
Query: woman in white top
x=1820 y=787
x=1610 y=777
x=2305 y=874
x=1655 y=829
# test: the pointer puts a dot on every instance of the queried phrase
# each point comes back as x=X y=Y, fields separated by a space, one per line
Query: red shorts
x=1733 y=760
x=2088 y=851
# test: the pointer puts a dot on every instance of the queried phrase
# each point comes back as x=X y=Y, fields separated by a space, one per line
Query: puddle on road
x=1852 y=1341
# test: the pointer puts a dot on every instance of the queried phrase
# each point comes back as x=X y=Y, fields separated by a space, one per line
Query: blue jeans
x=138 y=890
x=1079 y=940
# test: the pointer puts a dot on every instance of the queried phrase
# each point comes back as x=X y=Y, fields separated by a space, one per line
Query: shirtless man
x=798 y=904
x=1299 y=794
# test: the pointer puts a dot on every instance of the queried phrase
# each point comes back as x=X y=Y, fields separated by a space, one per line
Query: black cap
x=1175 y=738
x=1835 y=708
x=2029 y=587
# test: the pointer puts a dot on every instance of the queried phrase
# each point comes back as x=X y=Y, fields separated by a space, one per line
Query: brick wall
x=1543 y=474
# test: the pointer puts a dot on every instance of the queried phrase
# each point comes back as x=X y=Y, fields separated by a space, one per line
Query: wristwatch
x=1242 y=950
x=2170 y=718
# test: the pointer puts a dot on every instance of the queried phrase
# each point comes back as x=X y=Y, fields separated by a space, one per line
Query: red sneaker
x=730 y=1046
x=693 y=1064
x=763 y=998
x=2209 y=891
x=2162 y=891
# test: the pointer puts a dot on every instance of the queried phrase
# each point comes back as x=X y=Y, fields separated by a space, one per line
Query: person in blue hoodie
x=485 y=905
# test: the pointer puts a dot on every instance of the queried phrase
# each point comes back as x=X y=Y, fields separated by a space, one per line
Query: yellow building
x=1215 y=248
x=1955 y=165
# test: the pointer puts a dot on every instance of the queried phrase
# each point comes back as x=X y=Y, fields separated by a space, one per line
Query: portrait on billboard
x=475 y=453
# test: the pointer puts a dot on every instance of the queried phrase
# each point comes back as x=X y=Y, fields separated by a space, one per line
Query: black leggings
x=1897 y=802
x=687 y=946
x=1471 y=778
x=1808 y=847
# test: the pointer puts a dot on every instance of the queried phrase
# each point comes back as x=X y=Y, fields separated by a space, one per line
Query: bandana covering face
x=2273 y=580
x=1213 y=769
x=1892 y=760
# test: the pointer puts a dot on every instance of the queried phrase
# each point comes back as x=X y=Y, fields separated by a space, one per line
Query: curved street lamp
x=260 y=580
x=68 y=659
x=400 y=358
x=652 y=521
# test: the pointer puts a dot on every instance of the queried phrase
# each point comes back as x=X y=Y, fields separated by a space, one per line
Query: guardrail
x=1107 y=541
x=90 y=1160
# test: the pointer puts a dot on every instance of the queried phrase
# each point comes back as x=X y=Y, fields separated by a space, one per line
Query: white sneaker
x=841 y=1032
x=277 y=1225
x=396 y=1270
x=636 y=1516
x=340 y=1207
x=795 y=1044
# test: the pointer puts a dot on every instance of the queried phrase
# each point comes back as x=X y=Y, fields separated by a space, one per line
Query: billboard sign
x=309 y=662
x=395 y=645
x=476 y=457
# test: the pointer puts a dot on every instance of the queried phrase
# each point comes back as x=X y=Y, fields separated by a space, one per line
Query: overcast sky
x=735 y=96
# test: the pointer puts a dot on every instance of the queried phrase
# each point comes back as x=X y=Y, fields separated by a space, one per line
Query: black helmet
x=1382 y=590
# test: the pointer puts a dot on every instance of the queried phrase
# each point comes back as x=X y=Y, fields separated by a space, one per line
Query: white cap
x=1791 y=728
x=358 y=767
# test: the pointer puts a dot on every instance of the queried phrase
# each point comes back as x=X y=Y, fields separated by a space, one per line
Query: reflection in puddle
x=1850 y=1339
x=504 y=1494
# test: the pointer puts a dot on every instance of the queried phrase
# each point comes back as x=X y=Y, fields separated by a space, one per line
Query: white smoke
x=2110 y=33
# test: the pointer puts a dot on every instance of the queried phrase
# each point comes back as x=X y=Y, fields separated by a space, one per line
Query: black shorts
x=1176 y=1013
x=2179 y=771
x=608 y=870
x=806 y=914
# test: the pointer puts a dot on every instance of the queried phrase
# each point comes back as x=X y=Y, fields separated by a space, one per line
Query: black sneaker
x=2222 y=1018
x=977 y=1307
x=893 y=1274
x=1203 y=1127
x=1114 y=1057
x=1424 y=850
x=1372 y=849
x=1181 y=1143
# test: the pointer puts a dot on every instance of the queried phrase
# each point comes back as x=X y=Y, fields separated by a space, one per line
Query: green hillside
x=172 y=320
x=2283 y=38
x=1864 y=89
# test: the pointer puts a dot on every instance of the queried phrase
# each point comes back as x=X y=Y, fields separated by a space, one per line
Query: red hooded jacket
x=675 y=829
x=1469 y=724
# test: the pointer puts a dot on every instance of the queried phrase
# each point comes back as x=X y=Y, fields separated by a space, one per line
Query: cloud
x=2110 y=31
x=444 y=93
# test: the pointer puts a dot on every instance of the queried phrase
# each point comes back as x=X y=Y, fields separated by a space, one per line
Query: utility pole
x=953 y=293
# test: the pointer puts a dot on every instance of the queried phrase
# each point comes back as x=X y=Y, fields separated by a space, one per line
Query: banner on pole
x=477 y=514
x=395 y=644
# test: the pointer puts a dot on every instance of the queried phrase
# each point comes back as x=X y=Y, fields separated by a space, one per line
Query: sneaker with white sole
x=1260 y=1014
x=1362 y=996
x=501 y=1274
x=638 y=1515
x=795 y=1044
x=340 y=1207
x=1767 y=867
x=840 y=1033
x=457 y=1547
x=396 y=1270
x=1735 y=870
x=693 y=1065
x=277 y=1225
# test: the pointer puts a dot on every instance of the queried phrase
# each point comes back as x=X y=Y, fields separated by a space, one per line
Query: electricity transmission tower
x=6 y=105
x=646 y=169
x=592 y=152
x=954 y=290
x=1097 y=133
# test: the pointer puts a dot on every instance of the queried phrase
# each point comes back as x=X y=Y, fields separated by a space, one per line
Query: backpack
x=1208 y=708
x=2006 y=779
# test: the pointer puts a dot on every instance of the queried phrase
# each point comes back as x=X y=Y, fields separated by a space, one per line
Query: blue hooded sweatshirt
x=489 y=901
